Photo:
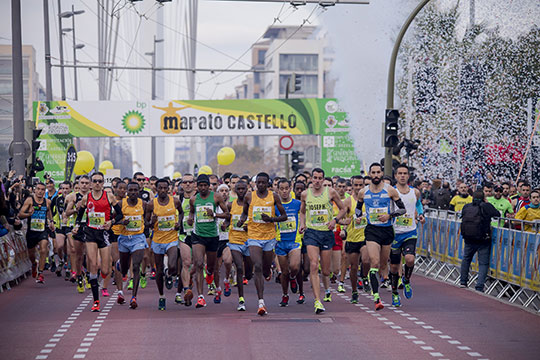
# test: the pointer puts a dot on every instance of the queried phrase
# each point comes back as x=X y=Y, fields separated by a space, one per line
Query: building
x=32 y=90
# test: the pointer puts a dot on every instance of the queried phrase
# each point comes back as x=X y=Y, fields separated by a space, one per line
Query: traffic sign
x=286 y=142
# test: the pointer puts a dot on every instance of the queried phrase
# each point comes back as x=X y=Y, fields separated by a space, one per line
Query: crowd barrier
x=14 y=261
x=515 y=254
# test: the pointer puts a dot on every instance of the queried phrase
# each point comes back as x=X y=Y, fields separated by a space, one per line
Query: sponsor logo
x=133 y=122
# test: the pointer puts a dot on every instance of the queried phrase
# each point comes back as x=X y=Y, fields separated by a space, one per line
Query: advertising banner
x=191 y=118
x=71 y=158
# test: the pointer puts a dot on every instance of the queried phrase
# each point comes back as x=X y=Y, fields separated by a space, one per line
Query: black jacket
x=488 y=212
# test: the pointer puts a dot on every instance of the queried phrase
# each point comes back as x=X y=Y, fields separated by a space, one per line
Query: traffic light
x=391 y=128
x=35 y=143
x=296 y=83
x=297 y=158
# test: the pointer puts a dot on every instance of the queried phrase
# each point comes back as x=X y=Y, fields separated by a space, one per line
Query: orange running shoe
x=133 y=303
x=200 y=302
x=378 y=305
x=121 y=300
x=262 y=310
x=209 y=278
x=40 y=279
x=95 y=307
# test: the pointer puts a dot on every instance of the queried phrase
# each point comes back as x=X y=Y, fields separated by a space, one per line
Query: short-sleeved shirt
x=459 y=202
x=503 y=205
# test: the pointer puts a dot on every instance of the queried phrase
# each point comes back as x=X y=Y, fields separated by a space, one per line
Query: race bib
x=319 y=217
x=235 y=219
x=258 y=211
x=37 y=224
x=374 y=215
x=96 y=220
x=404 y=221
x=202 y=216
x=166 y=223
x=288 y=226
x=363 y=223
x=135 y=223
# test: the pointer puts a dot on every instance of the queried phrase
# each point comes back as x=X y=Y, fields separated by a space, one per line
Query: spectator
x=501 y=204
x=476 y=231
x=461 y=199
x=531 y=212
x=442 y=197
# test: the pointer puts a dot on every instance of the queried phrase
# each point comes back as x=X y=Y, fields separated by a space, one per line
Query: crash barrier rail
x=514 y=271
x=14 y=261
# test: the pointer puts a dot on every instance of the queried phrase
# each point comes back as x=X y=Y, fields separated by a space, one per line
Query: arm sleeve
x=419 y=207
x=358 y=210
x=80 y=214
x=118 y=213
x=400 y=208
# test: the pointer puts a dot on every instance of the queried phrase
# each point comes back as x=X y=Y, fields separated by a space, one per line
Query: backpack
x=472 y=223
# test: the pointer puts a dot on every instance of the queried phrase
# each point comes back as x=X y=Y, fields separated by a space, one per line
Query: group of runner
x=312 y=228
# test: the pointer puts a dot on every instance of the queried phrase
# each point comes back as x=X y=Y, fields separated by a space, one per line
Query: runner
x=37 y=210
x=379 y=232
x=131 y=240
x=339 y=257
x=148 y=260
x=238 y=242
x=204 y=238
x=161 y=215
x=303 y=272
x=98 y=206
x=184 y=245
x=315 y=220
x=289 y=243
x=261 y=206
x=76 y=245
x=404 y=243
x=223 y=253
x=58 y=207
x=355 y=246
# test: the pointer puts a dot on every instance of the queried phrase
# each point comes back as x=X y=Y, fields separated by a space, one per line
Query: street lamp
x=65 y=15
x=153 y=55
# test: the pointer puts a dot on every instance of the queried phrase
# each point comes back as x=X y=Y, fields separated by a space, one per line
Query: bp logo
x=133 y=122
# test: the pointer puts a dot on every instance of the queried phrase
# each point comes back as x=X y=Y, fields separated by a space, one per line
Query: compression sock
x=394 y=277
x=408 y=272
x=373 y=280
x=94 y=285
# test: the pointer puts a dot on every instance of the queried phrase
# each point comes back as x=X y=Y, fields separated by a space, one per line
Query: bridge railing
x=515 y=255
x=14 y=261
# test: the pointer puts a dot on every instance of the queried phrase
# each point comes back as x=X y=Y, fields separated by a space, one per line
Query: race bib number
x=363 y=223
x=235 y=219
x=166 y=223
x=288 y=226
x=404 y=221
x=37 y=224
x=135 y=223
x=188 y=229
x=319 y=217
x=96 y=220
x=258 y=211
x=374 y=215
x=201 y=213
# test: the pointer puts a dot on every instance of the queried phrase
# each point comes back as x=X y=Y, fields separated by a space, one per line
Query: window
x=309 y=85
x=298 y=62
x=257 y=77
x=260 y=56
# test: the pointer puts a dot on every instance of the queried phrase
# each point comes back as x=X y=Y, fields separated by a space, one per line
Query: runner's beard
x=376 y=180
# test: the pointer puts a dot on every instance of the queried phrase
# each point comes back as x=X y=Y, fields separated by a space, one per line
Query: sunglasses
x=97 y=181
x=141 y=179
x=188 y=182
x=213 y=184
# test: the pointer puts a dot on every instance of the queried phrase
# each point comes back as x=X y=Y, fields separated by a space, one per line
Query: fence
x=514 y=273
x=14 y=262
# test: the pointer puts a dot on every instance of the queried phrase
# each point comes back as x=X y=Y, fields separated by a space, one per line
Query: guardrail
x=14 y=261
x=514 y=273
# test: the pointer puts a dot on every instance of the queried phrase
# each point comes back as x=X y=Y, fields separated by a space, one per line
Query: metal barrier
x=14 y=261
x=514 y=273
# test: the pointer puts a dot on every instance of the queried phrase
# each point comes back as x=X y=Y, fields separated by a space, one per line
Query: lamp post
x=64 y=15
x=153 y=55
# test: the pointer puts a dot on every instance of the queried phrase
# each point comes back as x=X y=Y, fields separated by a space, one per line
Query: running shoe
x=217 y=298
x=133 y=303
x=262 y=310
x=53 y=266
x=178 y=299
x=87 y=283
x=73 y=277
x=284 y=301
x=161 y=304
x=130 y=284
x=80 y=285
x=40 y=279
x=120 y=299
x=200 y=302
x=227 y=290
x=269 y=277
x=385 y=284
x=341 y=288
x=360 y=283
x=400 y=283
x=176 y=282
x=59 y=269
x=153 y=274
x=378 y=303
x=354 y=298
x=67 y=275
x=95 y=307
x=34 y=270
x=241 y=304
x=407 y=290
x=209 y=278
x=301 y=299
x=319 y=308
x=188 y=296
x=47 y=265
x=327 y=296
x=245 y=281
x=143 y=282
x=294 y=285
x=463 y=286
x=367 y=287
x=168 y=282
x=396 y=301
x=104 y=292
x=211 y=289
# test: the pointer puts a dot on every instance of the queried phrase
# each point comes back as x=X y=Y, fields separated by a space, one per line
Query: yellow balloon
x=226 y=156
x=85 y=163
x=205 y=170
x=176 y=175
x=106 y=164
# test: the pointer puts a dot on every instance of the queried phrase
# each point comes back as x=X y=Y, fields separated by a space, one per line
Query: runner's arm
x=148 y=211
x=49 y=215
x=394 y=195
x=282 y=213
x=337 y=200
x=25 y=209
x=302 y=213
x=225 y=214
x=347 y=220
x=245 y=210
x=359 y=204
x=191 y=211
x=178 y=206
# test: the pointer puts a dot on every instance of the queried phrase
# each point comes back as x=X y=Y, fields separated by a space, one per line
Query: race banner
x=71 y=158
x=191 y=118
